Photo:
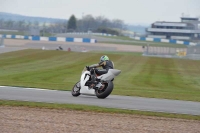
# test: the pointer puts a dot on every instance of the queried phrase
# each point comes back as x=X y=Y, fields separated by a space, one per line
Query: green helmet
x=104 y=58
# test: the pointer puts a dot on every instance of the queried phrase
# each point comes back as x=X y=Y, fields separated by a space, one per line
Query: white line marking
x=2 y=86
x=38 y=89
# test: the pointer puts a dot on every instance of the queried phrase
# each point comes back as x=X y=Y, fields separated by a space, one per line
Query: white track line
x=38 y=89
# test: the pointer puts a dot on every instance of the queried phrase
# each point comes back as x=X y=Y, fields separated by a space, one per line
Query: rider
x=105 y=63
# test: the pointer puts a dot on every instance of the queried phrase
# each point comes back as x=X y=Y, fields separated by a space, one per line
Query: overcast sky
x=131 y=11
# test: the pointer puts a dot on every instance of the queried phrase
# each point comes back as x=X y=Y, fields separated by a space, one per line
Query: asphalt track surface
x=112 y=101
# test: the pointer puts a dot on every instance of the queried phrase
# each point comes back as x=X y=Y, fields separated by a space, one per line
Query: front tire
x=76 y=89
x=105 y=92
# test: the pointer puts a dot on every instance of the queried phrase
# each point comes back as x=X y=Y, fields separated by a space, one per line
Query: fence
x=192 y=52
x=32 y=32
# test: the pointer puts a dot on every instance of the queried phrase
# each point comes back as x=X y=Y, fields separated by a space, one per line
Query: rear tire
x=106 y=92
x=76 y=89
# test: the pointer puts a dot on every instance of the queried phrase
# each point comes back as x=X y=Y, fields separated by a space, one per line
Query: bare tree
x=36 y=24
x=88 y=23
x=28 y=25
x=21 y=24
x=9 y=24
x=1 y=23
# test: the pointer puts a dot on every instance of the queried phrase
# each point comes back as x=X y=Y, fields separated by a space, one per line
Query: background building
x=188 y=29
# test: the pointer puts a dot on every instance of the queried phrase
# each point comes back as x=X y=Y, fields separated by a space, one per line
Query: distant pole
x=2 y=41
x=82 y=21
x=43 y=31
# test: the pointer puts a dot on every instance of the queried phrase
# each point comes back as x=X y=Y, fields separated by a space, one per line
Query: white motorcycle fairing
x=85 y=89
x=105 y=77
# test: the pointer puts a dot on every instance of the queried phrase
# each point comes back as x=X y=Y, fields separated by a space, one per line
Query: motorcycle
x=59 y=48
x=103 y=87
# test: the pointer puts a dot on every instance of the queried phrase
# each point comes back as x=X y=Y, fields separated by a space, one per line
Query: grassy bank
x=12 y=33
x=141 y=76
x=23 y=33
x=94 y=109
x=145 y=43
x=117 y=37
x=129 y=41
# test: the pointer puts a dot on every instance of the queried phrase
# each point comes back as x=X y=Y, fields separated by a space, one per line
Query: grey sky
x=131 y=11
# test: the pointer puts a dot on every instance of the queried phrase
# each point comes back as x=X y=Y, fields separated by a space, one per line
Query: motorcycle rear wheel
x=105 y=92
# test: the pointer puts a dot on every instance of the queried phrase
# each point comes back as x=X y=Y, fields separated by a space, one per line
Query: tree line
x=95 y=24
x=84 y=24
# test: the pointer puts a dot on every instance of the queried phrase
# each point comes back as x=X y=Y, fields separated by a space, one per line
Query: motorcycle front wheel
x=105 y=91
x=76 y=89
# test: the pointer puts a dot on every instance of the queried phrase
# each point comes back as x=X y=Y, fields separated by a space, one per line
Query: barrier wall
x=59 y=39
x=164 y=40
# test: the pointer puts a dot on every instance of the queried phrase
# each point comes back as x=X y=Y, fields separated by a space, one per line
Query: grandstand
x=187 y=30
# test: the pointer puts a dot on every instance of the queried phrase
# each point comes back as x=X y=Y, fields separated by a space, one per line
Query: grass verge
x=95 y=109
x=126 y=38
x=130 y=41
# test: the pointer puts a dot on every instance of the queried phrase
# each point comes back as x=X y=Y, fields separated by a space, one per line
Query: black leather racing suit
x=106 y=65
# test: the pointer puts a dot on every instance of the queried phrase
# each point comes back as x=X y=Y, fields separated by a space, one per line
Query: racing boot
x=93 y=81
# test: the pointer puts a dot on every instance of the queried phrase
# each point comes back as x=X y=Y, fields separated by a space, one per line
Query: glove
x=88 y=68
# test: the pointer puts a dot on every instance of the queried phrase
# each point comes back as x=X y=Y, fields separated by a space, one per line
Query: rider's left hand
x=88 y=68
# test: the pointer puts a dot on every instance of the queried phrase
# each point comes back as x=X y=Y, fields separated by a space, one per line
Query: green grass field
x=141 y=76
x=12 y=33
